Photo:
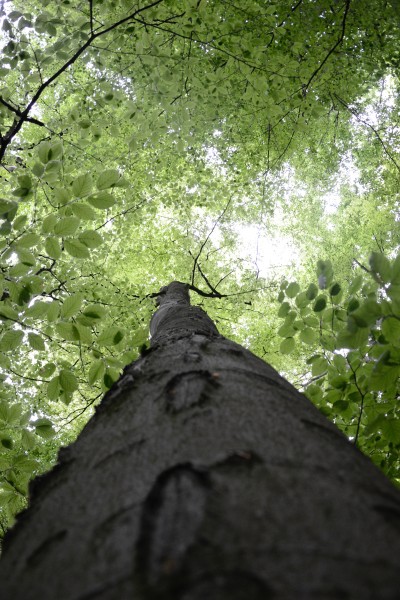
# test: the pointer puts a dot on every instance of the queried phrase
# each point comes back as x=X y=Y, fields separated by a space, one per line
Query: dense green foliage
x=226 y=145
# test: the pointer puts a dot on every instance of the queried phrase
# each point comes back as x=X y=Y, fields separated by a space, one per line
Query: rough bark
x=205 y=476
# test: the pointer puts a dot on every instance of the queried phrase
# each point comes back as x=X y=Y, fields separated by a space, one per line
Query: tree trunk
x=205 y=476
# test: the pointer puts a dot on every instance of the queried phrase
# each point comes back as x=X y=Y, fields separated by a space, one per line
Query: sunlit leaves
x=71 y=305
x=68 y=381
x=110 y=336
x=76 y=248
x=102 y=200
x=380 y=266
x=36 y=342
x=292 y=289
x=319 y=304
x=66 y=226
x=52 y=247
x=107 y=179
x=10 y=340
x=83 y=211
x=7 y=312
x=44 y=428
x=287 y=346
x=82 y=185
x=54 y=388
x=96 y=371
x=48 y=152
x=91 y=238
x=308 y=335
x=355 y=375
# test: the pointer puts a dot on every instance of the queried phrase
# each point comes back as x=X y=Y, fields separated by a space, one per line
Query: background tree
x=143 y=143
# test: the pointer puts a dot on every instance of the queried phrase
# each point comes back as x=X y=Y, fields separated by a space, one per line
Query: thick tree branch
x=19 y=113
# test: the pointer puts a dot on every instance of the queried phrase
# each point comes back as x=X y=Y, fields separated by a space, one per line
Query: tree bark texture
x=204 y=475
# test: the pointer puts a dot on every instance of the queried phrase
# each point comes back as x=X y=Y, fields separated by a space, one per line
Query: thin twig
x=332 y=50
x=206 y=240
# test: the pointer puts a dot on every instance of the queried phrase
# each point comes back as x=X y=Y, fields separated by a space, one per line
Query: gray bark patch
x=188 y=389
x=172 y=515
x=45 y=548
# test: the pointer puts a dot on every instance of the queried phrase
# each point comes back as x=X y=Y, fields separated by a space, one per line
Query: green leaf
x=308 y=335
x=68 y=381
x=380 y=265
x=7 y=312
x=28 y=439
x=82 y=185
x=355 y=284
x=107 y=179
x=67 y=331
x=10 y=340
x=66 y=226
x=6 y=205
x=319 y=366
x=84 y=123
x=287 y=346
x=335 y=289
x=340 y=363
x=91 y=239
x=26 y=257
x=76 y=249
x=47 y=370
x=7 y=442
x=283 y=309
x=53 y=311
x=287 y=330
x=62 y=196
x=312 y=291
x=110 y=377
x=340 y=406
x=36 y=342
x=311 y=321
x=44 y=151
x=110 y=336
x=338 y=381
x=85 y=334
x=96 y=371
x=302 y=300
x=292 y=289
x=83 y=211
x=24 y=464
x=102 y=200
x=390 y=428
x=319 y=304
x=391 y=330
x=71 y=305
x=28 y=240
x=54 y=388
x=52 y=247
x=44 y=428
x=48 y=223
x=395 y=279
x=92 y=314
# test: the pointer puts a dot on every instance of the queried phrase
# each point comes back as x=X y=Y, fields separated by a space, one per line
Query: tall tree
x=160 y=140
x=204 y=474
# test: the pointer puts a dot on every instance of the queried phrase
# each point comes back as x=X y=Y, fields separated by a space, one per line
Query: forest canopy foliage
x=249 y=149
